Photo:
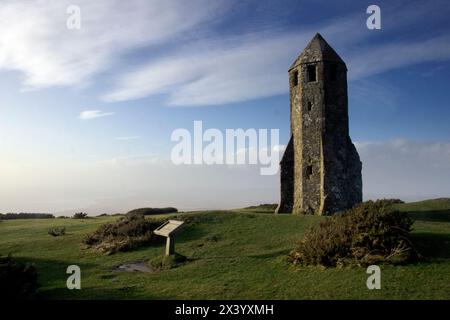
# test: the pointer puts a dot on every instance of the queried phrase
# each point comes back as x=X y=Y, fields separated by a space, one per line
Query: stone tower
x=320 y=169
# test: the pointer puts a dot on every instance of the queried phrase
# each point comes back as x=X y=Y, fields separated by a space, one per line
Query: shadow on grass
x=432 y=245
x=118 y=293
x=190 y=232
x=267 y=255
x=52 y=279
x=272 y=254
x=432 y=216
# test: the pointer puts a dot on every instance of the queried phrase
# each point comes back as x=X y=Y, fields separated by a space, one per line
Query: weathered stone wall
x=287 y=180
x=342 y=179
x=308 y=140
x=323 y=162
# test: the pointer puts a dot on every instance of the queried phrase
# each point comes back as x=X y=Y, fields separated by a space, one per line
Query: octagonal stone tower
x=320 y=169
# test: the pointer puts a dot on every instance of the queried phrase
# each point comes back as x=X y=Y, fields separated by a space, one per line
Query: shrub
x=152 y=211
x=57 y=231
x=395 y=201
x=17 y=280
x=125 y=234
x=369 y=233
x=80 y=215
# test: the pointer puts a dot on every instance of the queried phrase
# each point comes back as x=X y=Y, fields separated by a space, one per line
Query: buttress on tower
x=320 y=170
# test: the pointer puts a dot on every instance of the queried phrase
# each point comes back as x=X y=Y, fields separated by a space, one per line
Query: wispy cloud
x=217 y=72
x=92 y=114
x=391 y=56
x=195 y=70
x=34 y=38
x=239 y=68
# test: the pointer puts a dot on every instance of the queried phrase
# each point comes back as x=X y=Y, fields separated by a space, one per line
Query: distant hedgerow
x=25 y=215
x=369 y=233
x=152 y=211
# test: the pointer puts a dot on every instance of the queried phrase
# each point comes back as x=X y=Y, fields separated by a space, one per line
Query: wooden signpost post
x=168 y=230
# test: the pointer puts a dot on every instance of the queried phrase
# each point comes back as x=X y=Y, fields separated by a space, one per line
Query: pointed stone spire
x=317 y=50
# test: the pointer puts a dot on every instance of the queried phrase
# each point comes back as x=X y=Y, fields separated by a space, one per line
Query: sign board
x=168 y=228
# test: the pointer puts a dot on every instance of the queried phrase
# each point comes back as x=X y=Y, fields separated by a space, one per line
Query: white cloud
x=396 y=55
x=409 y=170
x=241 y=68
x=34 y=38
x=216 y=72
x=92 y=114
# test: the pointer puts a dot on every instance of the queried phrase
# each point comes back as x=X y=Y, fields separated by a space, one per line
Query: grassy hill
x=238 y=254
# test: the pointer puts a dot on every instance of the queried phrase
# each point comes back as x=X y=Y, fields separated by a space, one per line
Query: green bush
x=80 y=215
x=152 y=211
x=17 y=280
x=56 y=232
x=125 y=234
x=369 y=233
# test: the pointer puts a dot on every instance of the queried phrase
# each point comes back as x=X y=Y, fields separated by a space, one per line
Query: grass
x=238 y=254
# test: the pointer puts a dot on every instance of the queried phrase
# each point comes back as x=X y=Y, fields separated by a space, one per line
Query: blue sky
x=137 y=70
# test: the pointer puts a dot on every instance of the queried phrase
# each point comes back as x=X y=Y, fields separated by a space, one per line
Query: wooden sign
x=168 y=229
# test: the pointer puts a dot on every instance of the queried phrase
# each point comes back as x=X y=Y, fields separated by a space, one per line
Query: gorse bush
x=17 y=280
x=369 y=233
x=125 y=234
x=56 y=232
x=152 y=211
x=80 y=215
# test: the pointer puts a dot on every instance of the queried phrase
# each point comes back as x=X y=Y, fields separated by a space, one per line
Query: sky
x=87 y=114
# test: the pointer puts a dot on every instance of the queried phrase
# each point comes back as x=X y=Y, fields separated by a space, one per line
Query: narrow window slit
x=311 y=71
x=294 y=78
x=309 y=171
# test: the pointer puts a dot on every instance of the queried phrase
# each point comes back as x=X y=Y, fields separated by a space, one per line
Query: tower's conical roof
x=317 y=50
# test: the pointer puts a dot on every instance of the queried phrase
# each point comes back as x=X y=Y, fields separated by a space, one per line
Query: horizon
x=89 y=112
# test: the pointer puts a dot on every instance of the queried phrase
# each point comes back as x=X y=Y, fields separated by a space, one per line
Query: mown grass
x=235 y=254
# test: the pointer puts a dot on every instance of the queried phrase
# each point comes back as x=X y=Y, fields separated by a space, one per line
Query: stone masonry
x=320 y=170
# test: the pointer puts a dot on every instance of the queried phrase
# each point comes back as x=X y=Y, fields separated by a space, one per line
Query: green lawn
x=235 y=254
